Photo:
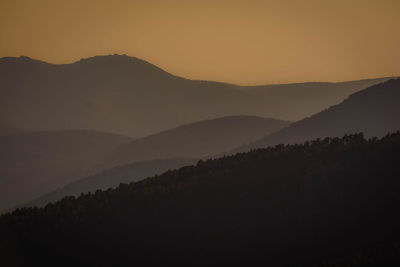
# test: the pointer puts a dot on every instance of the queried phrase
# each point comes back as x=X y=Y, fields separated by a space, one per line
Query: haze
x=245 y=42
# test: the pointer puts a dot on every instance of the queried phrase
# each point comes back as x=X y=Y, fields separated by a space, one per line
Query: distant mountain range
x=195 y=140
x=128 y=95
x=132 y=97
x=34 y=163
x=374 y=111
x=166 y=150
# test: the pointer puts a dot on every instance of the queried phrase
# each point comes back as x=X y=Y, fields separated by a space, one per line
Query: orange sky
x=246 y=42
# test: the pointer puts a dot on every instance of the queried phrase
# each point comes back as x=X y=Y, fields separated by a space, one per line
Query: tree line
x=329 y=201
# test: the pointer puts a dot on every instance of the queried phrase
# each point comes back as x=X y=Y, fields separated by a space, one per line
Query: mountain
x=299 y=100
x=373 y=111
x=130 y=96
x=53 y=159
x=320 y=203
x=195 y=140
x=34 y=163
x=153 y=154
x=110 y=178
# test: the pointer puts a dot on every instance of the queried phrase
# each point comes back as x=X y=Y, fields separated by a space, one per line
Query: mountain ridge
x=99 y=58
x=112 y=93
x=69 y=155
x=195 y=140
x=373 y=111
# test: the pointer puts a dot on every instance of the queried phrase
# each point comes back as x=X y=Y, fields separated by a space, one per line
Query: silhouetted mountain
x=195 y=140
x=111 y=178
x=318 y=203
x=130 y=96
x=188 y=141
x=299 y=100
x=373 y=111
x=34 y=163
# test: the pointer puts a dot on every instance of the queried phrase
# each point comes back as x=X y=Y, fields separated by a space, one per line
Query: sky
x=237 y=41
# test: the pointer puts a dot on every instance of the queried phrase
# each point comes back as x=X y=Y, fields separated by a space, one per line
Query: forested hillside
x=327 y=201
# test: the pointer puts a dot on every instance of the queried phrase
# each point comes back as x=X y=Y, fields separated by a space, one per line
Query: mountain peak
x=122 y=63
x=111 y=58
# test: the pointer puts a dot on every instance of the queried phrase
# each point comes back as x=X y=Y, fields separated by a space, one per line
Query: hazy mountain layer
x=55 y=158
x=34 y=163
x=195 y=140
x=111 y=178
x=130 y=96
x=373 y=111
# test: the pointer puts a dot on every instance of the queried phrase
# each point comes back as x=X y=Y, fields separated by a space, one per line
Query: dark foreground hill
x=374 y=111
x=130 y=96
x=195 y=140
x=34 y=163
x=325 y=201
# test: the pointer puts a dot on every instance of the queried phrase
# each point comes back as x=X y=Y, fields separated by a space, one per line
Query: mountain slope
x=130 y=96
x=34 y=163
x=110 y=178
x=373 y=111
x=299 y=100
x=298 y=205
x=195 y=140
x=158 y=153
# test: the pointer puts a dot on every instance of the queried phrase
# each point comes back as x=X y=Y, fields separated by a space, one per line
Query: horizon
x=239 y=42
x=217 y=81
